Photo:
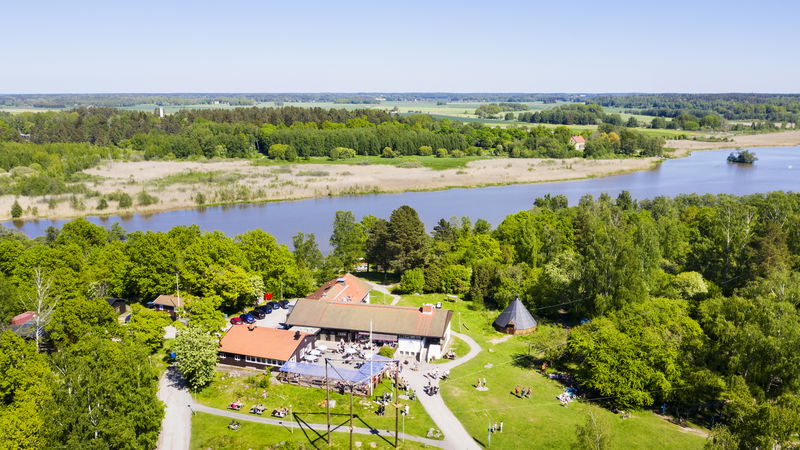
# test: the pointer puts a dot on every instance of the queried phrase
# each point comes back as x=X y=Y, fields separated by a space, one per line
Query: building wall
x=233 y=359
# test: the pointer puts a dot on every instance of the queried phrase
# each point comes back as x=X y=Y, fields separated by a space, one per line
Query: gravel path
x=176 y=428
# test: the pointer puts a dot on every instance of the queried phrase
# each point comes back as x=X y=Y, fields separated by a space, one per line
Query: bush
x=425 y=150
x=388 y=153
x=16 y=210
x=200 y=198
x=441 y=153
x=145 y=199
x=386 y=351
x=125 y=200
x=457 y=154
x=277 y=151
x=413 y=280
x=102 y=204
x=342 y=153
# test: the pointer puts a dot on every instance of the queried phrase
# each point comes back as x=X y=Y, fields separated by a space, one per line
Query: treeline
x=691 y=302
x=769 y=107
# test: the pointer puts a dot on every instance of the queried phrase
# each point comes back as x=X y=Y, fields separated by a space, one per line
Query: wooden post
x=396 y=403
x=351 y=416
x=328 y=400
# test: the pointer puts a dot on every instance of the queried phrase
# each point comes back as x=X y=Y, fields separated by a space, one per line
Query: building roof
x=396 y=320
x=578 y=139
x=114 y=301
x=346 y=288
x=369 y=369
x=516 y=314
x=19 y=319
x=169 y=300
x=262 y=342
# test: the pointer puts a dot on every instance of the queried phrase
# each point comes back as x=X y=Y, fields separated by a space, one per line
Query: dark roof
x=114 y=301
x=516 y=314
x=394 y=320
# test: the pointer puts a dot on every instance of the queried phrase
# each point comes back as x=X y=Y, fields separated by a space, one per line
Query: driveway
x=176 y=428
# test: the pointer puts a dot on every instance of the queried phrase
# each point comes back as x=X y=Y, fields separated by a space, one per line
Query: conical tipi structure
x=515 y=319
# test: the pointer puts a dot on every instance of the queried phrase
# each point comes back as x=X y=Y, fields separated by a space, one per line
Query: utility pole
x=396 y=403
x=328 y=400
x=351 y=416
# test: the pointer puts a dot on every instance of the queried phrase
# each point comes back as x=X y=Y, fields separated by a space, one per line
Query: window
x=236 y=357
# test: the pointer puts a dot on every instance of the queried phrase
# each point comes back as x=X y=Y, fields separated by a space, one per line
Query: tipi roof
x=516 y=314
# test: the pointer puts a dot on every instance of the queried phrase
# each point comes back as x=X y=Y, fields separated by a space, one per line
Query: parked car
x=264 y=307
x=236 y=321
x=274 y=305
x=438 y=305
x=247 y=318
x=258 y=314
x=284 y=304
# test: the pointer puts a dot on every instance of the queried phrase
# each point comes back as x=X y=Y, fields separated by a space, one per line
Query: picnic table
x=280 y=412
x=257 y=409
x=236 y=406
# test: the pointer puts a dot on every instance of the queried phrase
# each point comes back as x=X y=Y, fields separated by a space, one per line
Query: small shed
x=515 y=319
x=578 y=142
x=118 y=304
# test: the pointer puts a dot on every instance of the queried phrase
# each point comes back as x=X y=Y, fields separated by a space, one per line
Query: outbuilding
x=515 y=319
x=260 y=347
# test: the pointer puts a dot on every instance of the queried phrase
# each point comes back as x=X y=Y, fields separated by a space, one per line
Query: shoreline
x=286 y=185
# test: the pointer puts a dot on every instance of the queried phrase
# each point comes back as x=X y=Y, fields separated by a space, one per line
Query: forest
x=690 y=302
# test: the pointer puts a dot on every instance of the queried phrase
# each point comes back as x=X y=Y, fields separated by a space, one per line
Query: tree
x=16 y=210
x=377 y=245
x=204 y=314
x=412 y=281
x=79 y=317
x=196 y=353
x=106 y=396
x=147 y=326
x=407 y=240
x=348 y=239
x=41 y=302
x=26 y=391
x=593 y=434
x=306 y=251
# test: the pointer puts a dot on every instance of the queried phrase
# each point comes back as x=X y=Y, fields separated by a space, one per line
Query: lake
x=704 y=172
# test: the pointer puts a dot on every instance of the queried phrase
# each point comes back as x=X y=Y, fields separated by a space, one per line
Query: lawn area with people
x=539 y=420
x=309 y=402
x=209 y=431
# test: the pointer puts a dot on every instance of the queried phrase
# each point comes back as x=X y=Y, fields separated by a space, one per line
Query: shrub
x=342 y=153
x=145 y=199
x=200 y=198
x=125 y=200
x=388 y=153
x=456 y=154
x=16 y=210
x=413 y=280
x=425 y=150
x=441 y=153
x=102 y=204
x=386 y=351
x=277 y=151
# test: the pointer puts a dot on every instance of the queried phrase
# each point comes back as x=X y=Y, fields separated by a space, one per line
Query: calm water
x=703 y=172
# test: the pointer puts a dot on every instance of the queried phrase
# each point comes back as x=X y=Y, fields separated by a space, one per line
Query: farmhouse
x=260 y=347
x=346 y=288
x=417 y=332
x=168 y=303
x=578 y=142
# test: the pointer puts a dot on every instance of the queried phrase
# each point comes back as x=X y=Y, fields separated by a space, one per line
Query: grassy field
x=211 y=432
x=309 y=403
x=541 y=421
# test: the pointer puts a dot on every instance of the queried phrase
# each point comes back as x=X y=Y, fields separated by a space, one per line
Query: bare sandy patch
x=253 y=183
x=780 y=139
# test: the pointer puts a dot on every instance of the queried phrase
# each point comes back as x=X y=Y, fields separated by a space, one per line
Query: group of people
x=435 y=374
x=495 y=428
x=234 y=425
x=431 y=389
x=523 y=392
x=481 y=383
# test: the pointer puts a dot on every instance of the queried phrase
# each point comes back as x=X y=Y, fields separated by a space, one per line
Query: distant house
x=24 y=326
x=118 y=304
x=346 y=288
x=168 y=303
x=20 y=319
x=260 y=347
x=578 y=142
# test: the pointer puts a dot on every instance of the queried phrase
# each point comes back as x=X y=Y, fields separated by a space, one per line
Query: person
x=522 y=394
x=479 y=383
x=494 y=427
x=516 y=390
x=530 y=390
x=501 y=426
x=484 y=382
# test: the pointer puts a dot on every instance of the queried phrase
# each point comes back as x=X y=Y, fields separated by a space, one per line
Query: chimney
x=296 y=335
x=426 y=309
x=251 y=327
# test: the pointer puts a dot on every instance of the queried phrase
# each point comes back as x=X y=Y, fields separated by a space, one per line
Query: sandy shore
x=240 y=181
x=782 y=139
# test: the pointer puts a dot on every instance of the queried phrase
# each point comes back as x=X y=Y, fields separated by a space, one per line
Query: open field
x=310 y=402
x=779 y=139
x=540 y=421
x=176 y=184
x=209 y=431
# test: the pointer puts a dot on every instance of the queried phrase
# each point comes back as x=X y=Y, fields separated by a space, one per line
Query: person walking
x=516 y=390
x=484 y=382
x=501 y=426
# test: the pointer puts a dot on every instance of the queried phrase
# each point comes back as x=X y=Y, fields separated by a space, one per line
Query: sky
x=405 y=46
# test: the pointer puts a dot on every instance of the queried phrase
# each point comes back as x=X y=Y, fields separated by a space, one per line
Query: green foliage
x=16 y=210
x=205 y=315
x=196 y=353
x=593 y=434
x=144 y=199
x=407 y=241
x=146 y=327
x=412 y=281
x=79 y=318
x=125 y=200
x=386 y=351
x=348 y=239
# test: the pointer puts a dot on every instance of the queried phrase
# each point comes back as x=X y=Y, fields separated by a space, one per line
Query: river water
x=702 y=172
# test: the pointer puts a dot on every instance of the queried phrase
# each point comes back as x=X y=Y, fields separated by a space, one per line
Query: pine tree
x=16 y=210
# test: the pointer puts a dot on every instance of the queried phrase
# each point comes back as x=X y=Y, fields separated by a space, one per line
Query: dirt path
x=386 y=289
x=684 y=429
x=176 y=428
x=456 y=437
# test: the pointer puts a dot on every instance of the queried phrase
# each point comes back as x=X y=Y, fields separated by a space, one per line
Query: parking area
x=277 y=317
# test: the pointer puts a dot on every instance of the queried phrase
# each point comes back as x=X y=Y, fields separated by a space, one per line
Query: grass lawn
x=460 y=348
x=309 y=403
x=541 y=421
x=380 y=298
x=210 y=431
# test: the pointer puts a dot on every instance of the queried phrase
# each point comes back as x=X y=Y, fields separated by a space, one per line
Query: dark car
x=274 y=305
x=247 y=318
x=265 y=308
x=284 y=304
x=258 y=314
x=237 y=321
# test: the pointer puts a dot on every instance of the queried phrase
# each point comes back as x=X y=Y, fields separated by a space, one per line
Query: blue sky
x=351 y=46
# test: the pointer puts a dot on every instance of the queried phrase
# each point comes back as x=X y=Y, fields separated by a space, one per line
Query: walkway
x=456 y=436
x=176 y=428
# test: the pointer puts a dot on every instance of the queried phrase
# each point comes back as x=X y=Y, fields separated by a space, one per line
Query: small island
x=743 y=157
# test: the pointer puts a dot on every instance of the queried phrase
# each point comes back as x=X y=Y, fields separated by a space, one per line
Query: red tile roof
x=346 y=288
x=19 y=319
x=578 y=139
x=262 y=342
